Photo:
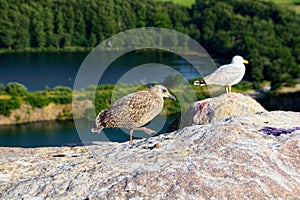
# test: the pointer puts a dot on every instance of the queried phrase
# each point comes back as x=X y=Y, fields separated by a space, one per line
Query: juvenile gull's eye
x=164 y=90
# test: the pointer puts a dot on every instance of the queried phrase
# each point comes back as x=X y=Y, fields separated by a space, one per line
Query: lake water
x=37 y=70
x=54 y=133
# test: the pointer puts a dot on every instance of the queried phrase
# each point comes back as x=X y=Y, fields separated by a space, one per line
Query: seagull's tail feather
x=96 y=129
x=200 y=82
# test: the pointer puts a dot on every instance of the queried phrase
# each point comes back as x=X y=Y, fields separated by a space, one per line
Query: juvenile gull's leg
x=146 y=130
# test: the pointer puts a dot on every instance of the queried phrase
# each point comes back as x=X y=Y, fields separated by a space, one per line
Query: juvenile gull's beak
x=246 y=62
x=172 y=97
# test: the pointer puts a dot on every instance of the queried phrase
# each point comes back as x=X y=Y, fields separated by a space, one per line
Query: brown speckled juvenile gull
x=226 y=75
x=133 y=111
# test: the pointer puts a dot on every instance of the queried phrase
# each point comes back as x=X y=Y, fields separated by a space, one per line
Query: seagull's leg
x=229 y=88
x=226 y=88
x=130 y=133
x=146 y=130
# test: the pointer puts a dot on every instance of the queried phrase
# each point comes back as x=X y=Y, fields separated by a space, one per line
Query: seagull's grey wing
x=224 y=75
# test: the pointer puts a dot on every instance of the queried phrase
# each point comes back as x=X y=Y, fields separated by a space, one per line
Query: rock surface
x=222 y=107
x=233 y=158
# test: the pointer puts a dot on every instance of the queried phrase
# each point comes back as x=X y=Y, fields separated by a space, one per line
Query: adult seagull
x=226 y=75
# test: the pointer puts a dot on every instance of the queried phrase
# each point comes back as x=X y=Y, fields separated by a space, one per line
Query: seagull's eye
x=164 y=90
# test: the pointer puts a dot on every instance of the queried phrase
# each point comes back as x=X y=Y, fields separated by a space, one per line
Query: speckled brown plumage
x=133 y=110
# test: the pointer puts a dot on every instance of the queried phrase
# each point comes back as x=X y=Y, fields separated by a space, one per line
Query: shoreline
x=46 y=50
x=90 y=49
x=63 y=112
x=82 y=107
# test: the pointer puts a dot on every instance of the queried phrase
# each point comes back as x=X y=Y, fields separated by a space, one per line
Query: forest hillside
x=265 y=33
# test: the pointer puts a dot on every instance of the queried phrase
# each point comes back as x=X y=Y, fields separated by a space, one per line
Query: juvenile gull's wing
x=133 y=110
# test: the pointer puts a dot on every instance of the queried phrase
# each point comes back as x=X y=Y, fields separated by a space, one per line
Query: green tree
x=6 y=105
x=16 y=89
x=37 y=100
x=157 y=17
x=93 y=39
x=58 y=27
x=48 y=20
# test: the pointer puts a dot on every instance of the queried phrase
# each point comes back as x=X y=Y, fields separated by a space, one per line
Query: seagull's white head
x=162 y=91
x=238 y=60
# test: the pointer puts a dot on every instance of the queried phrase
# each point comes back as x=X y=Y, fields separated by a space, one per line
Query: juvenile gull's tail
x=99 y=123
x=96 y=129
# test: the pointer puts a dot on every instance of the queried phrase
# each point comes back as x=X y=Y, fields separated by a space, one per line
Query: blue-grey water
x=59 y=133
x=37 y=70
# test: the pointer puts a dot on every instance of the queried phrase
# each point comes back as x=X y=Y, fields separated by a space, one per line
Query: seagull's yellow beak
x=246 y=62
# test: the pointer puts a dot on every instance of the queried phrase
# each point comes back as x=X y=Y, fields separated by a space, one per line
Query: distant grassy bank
x=14 y=96
x=17 y=105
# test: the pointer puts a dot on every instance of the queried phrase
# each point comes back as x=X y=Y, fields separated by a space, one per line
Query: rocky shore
x=26 y=113
x=254 y=156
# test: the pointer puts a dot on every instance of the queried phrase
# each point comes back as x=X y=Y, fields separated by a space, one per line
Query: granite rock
x=234 y=158
x=221 y=107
